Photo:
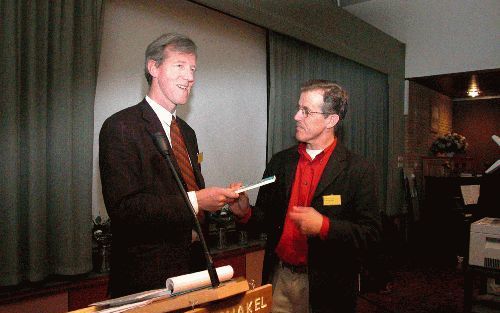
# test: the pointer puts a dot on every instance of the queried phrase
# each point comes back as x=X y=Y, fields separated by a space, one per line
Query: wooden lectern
x=232 y=296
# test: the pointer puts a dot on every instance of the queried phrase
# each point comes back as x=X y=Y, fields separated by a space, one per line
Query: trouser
x=290 y=290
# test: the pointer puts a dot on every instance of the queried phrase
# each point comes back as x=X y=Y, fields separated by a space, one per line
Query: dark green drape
x=365 y=128
x=49 y=52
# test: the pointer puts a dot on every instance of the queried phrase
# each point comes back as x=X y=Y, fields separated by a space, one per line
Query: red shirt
x=292 y=247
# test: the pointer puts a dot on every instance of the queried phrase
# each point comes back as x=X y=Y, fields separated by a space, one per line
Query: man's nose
x=298 y=115
x=188 y=75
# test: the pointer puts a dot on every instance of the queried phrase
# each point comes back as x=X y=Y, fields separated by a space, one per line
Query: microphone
x=161 y=143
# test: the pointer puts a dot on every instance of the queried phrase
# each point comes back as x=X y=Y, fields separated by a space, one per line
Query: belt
x=296 y=269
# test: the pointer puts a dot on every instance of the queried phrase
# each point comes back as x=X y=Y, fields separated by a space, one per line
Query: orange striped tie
x=181 y=155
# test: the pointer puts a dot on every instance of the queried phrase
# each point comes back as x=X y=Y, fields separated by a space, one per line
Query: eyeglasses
x=305 y=111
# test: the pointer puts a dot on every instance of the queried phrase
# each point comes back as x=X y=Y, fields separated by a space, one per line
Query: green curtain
x=49 y=52
x=365 y=129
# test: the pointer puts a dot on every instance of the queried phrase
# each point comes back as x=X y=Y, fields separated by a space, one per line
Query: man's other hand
x=307 y=219
x=240 y=207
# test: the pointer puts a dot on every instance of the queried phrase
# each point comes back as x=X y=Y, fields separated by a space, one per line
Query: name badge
x=200 y=157
x=332 y=200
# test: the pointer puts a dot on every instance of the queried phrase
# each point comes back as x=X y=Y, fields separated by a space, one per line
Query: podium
x=232 y=296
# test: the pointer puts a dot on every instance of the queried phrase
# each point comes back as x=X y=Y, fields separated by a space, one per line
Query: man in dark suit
x=320 y=214
x=151 y=223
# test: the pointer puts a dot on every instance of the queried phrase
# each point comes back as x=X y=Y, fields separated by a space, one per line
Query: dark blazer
x=355 y=224
x=151 y=225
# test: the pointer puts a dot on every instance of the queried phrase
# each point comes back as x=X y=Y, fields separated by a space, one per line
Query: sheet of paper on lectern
x=133 y=300
x=174 y=286
x=125 y=307
x=470 y=193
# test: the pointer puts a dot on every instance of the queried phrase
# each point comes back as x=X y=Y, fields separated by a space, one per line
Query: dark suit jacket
x=354 y=224
x=151 y=225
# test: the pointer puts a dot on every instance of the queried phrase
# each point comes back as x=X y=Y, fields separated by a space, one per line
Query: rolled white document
x=198 y=280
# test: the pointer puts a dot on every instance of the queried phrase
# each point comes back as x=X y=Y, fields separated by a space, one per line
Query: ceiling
x=455 y=85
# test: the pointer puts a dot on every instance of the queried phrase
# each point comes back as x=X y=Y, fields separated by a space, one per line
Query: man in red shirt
x=320 y=214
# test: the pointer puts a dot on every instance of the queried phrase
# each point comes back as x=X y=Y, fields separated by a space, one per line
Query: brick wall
x=430 y=115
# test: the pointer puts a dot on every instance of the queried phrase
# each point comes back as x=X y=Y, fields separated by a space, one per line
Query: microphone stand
x=161 y=143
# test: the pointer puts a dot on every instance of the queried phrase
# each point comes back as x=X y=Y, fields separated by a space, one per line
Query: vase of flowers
x=222 y=220
x=101 y=235
x=449 y=145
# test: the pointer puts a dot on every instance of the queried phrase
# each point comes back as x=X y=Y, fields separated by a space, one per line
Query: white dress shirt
x=166 y=119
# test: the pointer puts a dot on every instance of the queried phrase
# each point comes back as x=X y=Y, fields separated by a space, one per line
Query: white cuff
x=194 y=200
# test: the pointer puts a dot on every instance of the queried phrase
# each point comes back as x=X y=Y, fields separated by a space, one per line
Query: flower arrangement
x=101 y=230
x=450 y=143
x=101 y=234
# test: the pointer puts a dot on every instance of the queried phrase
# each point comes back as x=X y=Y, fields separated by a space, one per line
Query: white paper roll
x=198 y=280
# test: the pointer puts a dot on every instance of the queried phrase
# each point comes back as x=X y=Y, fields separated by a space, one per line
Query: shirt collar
x=303 y=150
x=163 y=114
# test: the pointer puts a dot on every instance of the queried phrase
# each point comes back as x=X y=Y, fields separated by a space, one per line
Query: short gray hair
x=334 y=96
x=175 y=42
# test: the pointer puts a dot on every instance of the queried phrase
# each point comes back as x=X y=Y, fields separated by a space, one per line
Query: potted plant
x=449 y=145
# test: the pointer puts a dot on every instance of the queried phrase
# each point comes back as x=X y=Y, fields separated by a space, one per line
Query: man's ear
x=152 y=68
x=333 y=120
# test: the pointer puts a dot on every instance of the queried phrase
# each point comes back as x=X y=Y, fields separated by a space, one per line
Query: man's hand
x=307 y=219
x=240 y=207
x=213 y=198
